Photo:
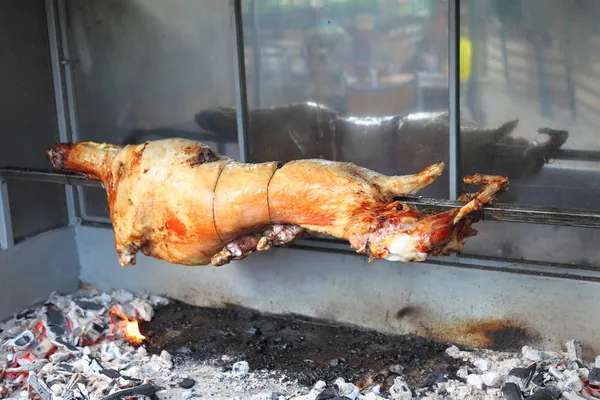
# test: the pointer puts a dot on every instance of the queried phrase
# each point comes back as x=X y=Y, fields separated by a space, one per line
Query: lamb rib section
x=179 y=201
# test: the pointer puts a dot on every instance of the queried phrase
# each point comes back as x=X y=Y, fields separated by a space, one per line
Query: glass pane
x=147 y=68
x=539 y=243
x=338 y=80
x=28 y=115
x=534 y=61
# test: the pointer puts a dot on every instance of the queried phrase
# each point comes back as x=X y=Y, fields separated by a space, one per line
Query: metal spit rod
x=40 y=175
x=498 y=212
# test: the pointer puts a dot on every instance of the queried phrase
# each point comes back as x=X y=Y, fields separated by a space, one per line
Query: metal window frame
x=454 y=155
x=63 y=102
x=7 y=239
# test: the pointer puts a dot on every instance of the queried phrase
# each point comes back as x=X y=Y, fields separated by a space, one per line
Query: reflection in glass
x=336 y=79
x=535 y=62
x=146 y=68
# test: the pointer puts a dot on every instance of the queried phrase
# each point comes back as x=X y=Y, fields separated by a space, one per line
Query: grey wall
x=28 y=115
x=440 y=301
x=36 y=267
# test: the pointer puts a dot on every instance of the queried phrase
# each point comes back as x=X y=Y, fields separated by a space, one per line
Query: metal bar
x=71 y=95
x=515 y=213
x=498 y=212
x=55 y=57
x=241 y=98
x=40 y=175
x=59 y=96
x=454 y=96
x=7 y=239
x=68 y=61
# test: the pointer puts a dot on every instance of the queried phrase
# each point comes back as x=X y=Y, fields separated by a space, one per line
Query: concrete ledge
x=33 y=269
x=480 y=307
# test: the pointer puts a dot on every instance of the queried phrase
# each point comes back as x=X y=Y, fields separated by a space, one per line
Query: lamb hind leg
x=239 y=248
x=243 y=246
x=492 y=186
x=280 y=235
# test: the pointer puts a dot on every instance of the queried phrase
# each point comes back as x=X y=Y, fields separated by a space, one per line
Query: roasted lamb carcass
x=179 y=201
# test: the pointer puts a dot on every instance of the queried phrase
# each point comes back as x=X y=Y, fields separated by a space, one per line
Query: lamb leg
x=243 y=246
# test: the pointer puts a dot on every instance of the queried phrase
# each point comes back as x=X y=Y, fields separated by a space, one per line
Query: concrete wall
x=480 y=307
x=36 y=267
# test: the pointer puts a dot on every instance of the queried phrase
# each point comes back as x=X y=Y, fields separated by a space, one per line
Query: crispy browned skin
x=179 y=201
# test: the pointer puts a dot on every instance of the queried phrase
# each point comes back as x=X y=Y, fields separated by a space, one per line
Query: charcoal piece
x=25 y=314
x=187 y=383
x=538 y=379
x=147 y=389
x=98 y=327
x=38 y=385
x=55 y=331
x=594 y=376
x=89 y=305
x=42 y=348
x=60 y=342
x=253 y=331
x=554 y=390
x=522 y=376
x=131 y=378
x=111 y=373
x=94 y=364
x=330 y=394
x=95 y=331
x=511 y=391
x=555 y=372
x=32 y=366
x=23 y=341
x=53 y=316
x=576 y=365
x=542 y=394
x=65 y=367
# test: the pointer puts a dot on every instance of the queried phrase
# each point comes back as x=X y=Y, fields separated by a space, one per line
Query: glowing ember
x=129 y=329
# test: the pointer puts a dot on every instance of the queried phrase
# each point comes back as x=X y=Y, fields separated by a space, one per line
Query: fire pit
x=80 y=346
x=94 y=345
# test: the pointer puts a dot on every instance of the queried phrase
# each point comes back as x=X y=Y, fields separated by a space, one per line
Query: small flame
x=129 y=329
